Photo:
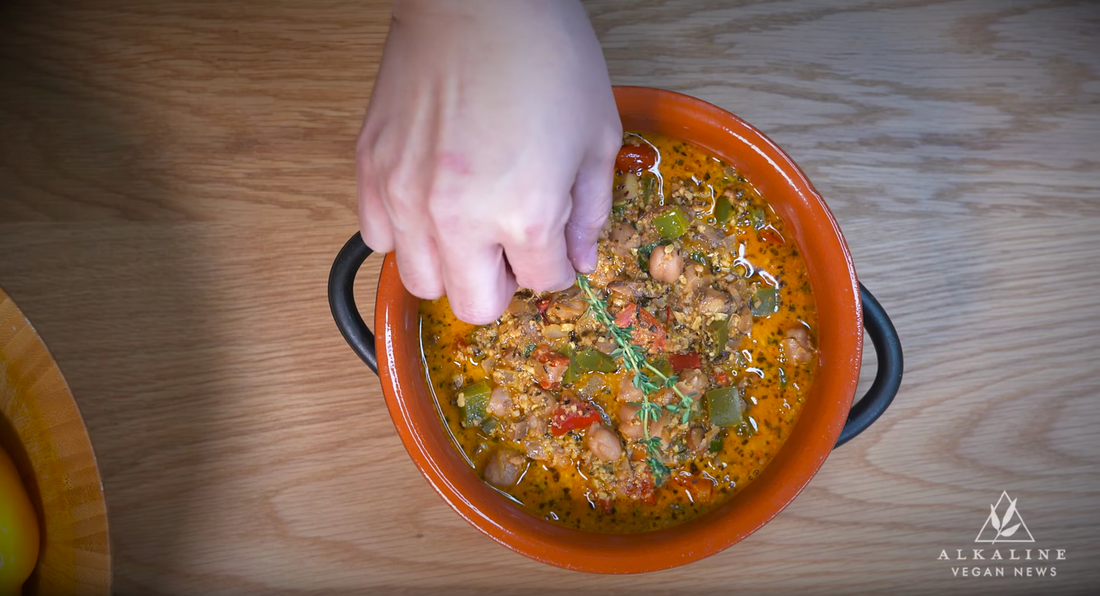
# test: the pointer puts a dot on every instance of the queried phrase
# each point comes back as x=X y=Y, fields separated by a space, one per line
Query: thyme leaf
x=645 y=375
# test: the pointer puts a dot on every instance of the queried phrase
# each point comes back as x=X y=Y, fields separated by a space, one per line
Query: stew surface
x=658 y=386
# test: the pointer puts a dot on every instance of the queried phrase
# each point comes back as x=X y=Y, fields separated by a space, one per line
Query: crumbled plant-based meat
x=558 y=422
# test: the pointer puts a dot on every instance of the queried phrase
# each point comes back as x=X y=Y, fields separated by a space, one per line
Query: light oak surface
x=176 y=177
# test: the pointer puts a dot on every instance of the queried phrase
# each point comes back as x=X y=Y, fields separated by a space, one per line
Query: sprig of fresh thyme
x=634 y=360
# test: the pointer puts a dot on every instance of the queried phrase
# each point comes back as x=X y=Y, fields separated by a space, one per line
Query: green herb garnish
x=647 y=378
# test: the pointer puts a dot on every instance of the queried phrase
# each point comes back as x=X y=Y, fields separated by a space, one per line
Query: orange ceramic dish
x=827 y=405
x=549 y=412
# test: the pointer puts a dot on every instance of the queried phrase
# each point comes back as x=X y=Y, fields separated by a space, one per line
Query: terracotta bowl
x=822 y=425
x=41 y=429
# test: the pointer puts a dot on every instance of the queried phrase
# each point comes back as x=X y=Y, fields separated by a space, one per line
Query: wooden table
x=176 y=176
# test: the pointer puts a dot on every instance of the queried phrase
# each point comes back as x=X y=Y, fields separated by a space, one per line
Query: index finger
x=478 y=282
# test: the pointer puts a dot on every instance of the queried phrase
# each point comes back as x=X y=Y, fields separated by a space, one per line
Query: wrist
x=499 y=11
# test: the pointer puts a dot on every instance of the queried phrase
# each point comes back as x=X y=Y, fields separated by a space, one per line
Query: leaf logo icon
x=1000 y=528
x=1009 y=531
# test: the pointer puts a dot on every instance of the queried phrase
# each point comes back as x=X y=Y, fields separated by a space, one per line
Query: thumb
x=591 y=206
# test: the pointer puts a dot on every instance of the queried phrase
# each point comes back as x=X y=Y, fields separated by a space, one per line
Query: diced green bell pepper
x=664 y=366
x=573 y=371
x=723 y=210
x=765 y=302
x=488 y=425
x=724 y=406
x=759 y=220
x=671 y=224
x=648 y=184
x=720 y=332
x=591 y=359
x=475 y=402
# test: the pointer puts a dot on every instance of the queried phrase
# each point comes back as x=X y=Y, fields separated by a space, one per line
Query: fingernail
x=590 y=260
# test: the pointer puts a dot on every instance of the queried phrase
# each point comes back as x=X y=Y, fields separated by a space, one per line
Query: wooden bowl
x=42 y=431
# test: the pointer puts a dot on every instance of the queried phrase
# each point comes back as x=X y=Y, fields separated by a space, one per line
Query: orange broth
x=773 y=386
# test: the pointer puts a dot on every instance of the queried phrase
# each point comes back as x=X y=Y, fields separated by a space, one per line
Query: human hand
x=487 y=153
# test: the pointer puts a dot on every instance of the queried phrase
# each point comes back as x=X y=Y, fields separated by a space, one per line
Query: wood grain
x=175 y=178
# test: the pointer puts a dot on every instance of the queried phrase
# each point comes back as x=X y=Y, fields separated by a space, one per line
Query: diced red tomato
x=642 y=489
x=681 y=362
x=606 y=505
x=551 y=368
x=722 y=377
x=572 y=415
x=542 y=304
x=700 y=489
x=647 y=330
x=635 y=158
x=626 y=316
x=770 y=235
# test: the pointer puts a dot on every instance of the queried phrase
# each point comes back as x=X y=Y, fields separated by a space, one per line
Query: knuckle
x=544 y=283
x=529 y=234
x=476 y=311
x=549 y=275
x=401 y=200
x=446 y=219
x=532 y=228
x=421 y=287
x=376 y=235
x=418 y=281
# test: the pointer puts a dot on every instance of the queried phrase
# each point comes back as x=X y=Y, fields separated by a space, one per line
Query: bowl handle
x=341 y=299
x=887 y=379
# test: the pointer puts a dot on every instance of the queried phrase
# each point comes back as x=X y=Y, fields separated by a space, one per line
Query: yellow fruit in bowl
x=18 y=530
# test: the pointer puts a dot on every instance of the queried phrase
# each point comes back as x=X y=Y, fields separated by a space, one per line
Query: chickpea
x=665 y=264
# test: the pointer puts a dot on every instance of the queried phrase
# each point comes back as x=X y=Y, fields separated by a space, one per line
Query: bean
x=630 y=426
x=665 y=264
x=603 y=443
x=504 y=467
x=500 y=403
